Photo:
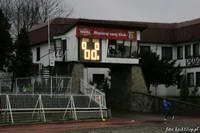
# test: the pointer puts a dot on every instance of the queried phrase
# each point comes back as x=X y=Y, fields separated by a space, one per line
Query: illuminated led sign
x=90 y=49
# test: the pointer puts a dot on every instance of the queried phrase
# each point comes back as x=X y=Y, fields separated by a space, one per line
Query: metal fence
x=37 y=85
x=5 y=85
x=33 y=105
x=34 y=97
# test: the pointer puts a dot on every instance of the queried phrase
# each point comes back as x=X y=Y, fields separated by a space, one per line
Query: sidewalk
x=124 y=122
x=141 y=117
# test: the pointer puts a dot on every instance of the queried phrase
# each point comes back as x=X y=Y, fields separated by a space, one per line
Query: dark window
x=180 y=80
x=144 y=49
x=198 y=79
x=167 y=53
x=38 y=54
x=187 y=51
x=190 y=79
x=180 y=52
x=119 y=48
x=98 y=79
x=64 y=44
x=196 y=49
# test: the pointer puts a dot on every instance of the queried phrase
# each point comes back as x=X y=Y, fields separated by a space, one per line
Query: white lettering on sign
x=96 y=32
x=85 y=32
x=101 y=33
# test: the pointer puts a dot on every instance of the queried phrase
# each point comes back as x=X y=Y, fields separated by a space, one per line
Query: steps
x=47 y=71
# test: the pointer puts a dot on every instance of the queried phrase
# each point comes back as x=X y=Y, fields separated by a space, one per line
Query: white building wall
x=44 y=50
x=162 y=90
x=88 y=73
x=72 y=45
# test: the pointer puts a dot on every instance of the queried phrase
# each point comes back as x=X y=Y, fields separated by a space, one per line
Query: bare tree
x=26 y=13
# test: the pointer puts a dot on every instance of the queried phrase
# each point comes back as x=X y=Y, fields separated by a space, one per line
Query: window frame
x=116 y=49
x=38 y=56
x=198 y=81
x=190 y=84
x=186 y=53
x=179 y=54
x=198 y=52
x=145 y=51
x=164 y=57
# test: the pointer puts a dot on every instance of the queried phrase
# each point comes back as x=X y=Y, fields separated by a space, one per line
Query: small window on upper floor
x=144 y=49
x=190 y=79
x=38 y=54
x=196 y=49
x=180 y=52
x=167 y=53
x=188 y=51
x=197 y=78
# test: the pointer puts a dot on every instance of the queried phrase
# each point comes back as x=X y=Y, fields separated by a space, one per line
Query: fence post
x=33 y=84
x=0 y=85
x=74 y=108
x=100 y=107
x=9 y=108
x=51 y=85
x=42 y=107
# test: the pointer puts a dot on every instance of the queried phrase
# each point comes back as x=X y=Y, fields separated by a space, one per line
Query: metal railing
x=43 y=85
x=36 y=85
x=32 y=104
x=92 y=92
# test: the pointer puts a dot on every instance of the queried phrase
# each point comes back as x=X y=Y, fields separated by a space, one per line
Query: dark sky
x=136 y=10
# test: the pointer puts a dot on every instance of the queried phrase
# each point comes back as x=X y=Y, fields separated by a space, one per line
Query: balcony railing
x=193 y=61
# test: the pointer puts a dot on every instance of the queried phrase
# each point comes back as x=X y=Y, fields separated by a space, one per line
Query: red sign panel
x=106 y=33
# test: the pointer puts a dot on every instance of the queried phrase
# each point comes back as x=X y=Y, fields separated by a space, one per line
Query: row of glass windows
x=168 y=54
x=122 y=49
x=188 y=51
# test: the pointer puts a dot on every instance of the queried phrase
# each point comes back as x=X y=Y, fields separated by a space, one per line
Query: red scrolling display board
x=105 y=33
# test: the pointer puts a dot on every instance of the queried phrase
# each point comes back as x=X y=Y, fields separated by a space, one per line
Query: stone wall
x=146 y=103
x=137 y=80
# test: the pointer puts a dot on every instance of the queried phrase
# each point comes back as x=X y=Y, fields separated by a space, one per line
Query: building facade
x=176 y=41
x=101 y=44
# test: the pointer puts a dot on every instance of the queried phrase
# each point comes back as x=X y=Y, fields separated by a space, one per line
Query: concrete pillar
x=120 y=87
x=126 y=79
x=137 y=80
x=77 y=74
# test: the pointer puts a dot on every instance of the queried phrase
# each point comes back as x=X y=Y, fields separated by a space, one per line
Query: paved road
x=124 y=123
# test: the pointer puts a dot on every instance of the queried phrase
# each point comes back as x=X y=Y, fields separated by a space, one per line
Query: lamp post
x=49 y=41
